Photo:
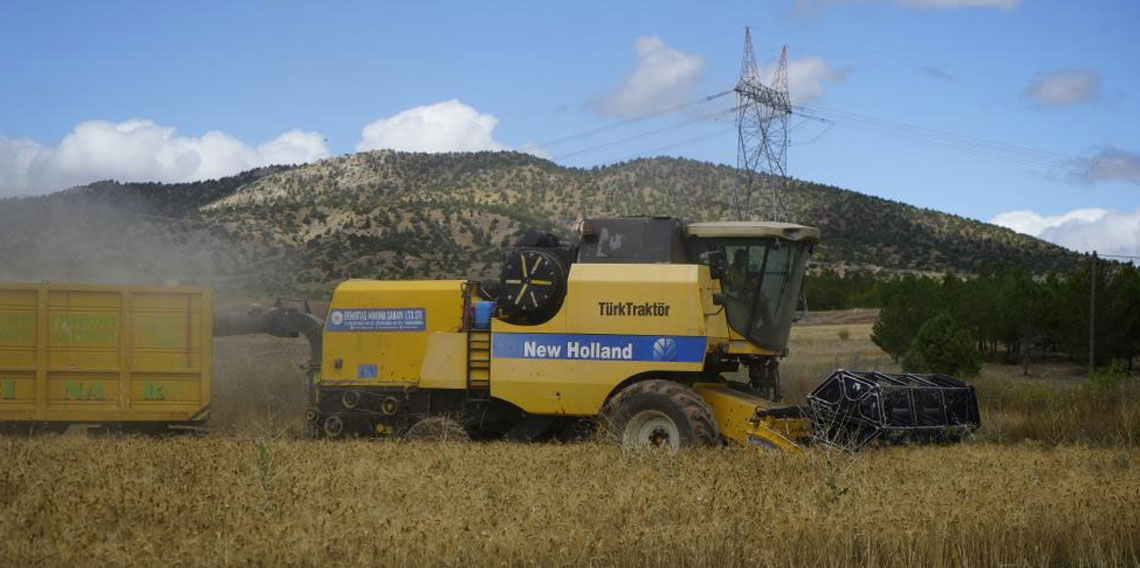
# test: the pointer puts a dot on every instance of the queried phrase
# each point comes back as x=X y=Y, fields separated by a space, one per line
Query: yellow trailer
x=135 y=358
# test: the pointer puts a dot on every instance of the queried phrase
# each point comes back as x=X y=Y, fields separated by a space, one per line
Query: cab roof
x=754 y=229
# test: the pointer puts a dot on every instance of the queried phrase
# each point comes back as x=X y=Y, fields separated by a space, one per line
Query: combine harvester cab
x=852 y=409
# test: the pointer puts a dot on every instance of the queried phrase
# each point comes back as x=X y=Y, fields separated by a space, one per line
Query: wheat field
x=230 y=501
x=254 y=493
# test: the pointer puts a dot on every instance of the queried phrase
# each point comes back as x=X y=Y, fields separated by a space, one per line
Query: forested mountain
x=386 y=214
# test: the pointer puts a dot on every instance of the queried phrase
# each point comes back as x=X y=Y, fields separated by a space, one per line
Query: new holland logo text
x=643 y=309
x=587 y=347
x=578 y=350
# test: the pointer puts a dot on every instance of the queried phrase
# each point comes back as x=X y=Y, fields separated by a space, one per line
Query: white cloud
x=294 y=147
x=535 y=150
x=664 y=77
x=1105 y=231
x=806 y=77
x=1064 y=87
x=16 y=160
x=1033 y=223
x=140 y=150
x=449 y=126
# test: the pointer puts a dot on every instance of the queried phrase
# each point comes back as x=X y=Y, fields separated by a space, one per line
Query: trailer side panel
x=96 y=354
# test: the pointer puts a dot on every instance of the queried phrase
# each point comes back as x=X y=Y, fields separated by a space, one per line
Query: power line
x=956 y=146
x=646 y=133
x=827 y=126
x=635 y=119
x=974 y=145
x=931 y=132
x=684 y=142
x=1013 y=159
x=1003 y=151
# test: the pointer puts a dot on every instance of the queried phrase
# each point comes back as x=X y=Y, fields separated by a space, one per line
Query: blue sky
x=174 y=91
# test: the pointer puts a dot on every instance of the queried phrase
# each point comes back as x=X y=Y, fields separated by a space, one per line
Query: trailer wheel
x=437 y=429
x=659 y=413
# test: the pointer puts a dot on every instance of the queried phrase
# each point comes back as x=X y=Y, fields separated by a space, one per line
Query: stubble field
x=1053 y=478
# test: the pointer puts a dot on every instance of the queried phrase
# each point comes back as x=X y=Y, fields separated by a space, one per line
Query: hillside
x=387 y=214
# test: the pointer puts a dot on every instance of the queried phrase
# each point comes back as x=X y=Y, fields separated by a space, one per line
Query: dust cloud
x=259 y=385
x=76 y=241
x=258 y=381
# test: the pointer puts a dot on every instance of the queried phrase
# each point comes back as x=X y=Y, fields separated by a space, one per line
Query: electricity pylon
x=762 y=126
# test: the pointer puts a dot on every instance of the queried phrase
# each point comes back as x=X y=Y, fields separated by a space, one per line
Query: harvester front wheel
x=659 y=413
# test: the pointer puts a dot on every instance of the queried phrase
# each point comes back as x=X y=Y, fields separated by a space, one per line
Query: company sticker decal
x=376 y=319
x=669 y=348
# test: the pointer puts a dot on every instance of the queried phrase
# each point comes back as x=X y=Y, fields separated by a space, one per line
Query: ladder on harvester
x=479 y=364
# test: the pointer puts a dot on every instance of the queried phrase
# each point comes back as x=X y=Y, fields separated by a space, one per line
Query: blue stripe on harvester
x=566 y=346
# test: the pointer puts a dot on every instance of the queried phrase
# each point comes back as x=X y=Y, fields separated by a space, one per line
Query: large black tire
x=659 y=413
x=437 y=429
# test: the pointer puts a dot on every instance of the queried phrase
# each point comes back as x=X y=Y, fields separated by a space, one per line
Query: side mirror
x=718 y=265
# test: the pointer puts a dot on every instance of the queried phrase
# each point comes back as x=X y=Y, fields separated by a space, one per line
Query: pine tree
x=943 y=346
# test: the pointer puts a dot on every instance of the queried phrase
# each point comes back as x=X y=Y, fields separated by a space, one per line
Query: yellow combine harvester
x=634 y=327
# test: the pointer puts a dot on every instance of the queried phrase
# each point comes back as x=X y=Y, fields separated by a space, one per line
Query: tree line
x=1004 y=312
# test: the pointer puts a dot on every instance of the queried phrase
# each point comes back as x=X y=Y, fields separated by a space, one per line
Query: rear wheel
x=659 y=413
